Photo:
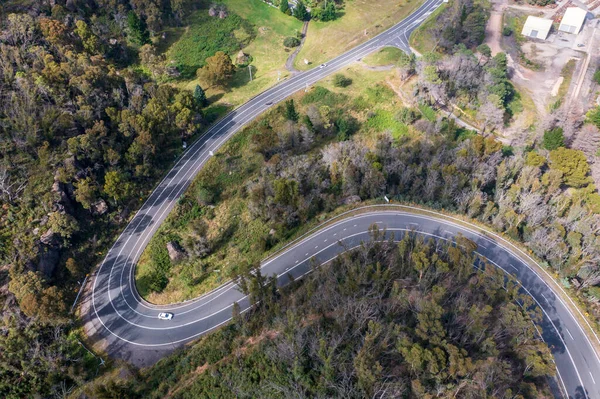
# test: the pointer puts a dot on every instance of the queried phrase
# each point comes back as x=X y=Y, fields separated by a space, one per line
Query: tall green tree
x=554 y=139
x=218 y=69
x=290 y=111
x=300 y=12
x=117 y=185
x=328 y=13
x=284 y=7
x=572 y=164
x=200 y=96
x=137 y=29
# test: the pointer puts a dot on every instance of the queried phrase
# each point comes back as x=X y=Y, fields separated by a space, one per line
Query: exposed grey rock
x=176 y=253
x=353 y=199
x=50 y=238
x=99 y=207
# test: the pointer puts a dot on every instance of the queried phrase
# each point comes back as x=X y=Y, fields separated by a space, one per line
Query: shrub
x=291 y=42
x=340 y=80
x=597 y=76
x=572 y=164
x=554 y=139
x=507 y=31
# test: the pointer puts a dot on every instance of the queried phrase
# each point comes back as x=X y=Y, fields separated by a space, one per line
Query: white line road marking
x=447 y=231
x=414 y=224
x=513 y=266
x=306 y=254
x=482 y=246
x=344 y=229
x=334 y=234
x=316 y=246
x=296 y=261
x=592 y=376
x=569 y=334
x=544 y=296
x=325 y=240
x=355 y=225
x=379 y=222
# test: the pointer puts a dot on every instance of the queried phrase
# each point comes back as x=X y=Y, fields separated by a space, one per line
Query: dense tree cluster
x=466 y=80
x=530 y=196
x=82 y=135
x=463 y=22
x=407 y=319
x=321 y=10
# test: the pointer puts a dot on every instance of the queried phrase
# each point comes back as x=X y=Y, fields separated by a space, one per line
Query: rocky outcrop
x=242 y=58
x=176 y=253
x=63 y=204
x=48 y=257
x=99 y=208
x=50 y=238
x=353 y=199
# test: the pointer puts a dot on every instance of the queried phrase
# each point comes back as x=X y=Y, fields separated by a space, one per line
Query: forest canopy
x=406 y=319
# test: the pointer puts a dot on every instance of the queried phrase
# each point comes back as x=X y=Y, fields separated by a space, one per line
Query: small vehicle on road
x=165 y=316
x=322 y=66
x=269 y=103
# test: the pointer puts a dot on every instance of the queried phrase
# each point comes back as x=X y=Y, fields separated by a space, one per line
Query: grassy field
x=385 y=56
x=359 y=21
x=238 y=238
x=205 y=36
x=421 y=39
x=253 y=26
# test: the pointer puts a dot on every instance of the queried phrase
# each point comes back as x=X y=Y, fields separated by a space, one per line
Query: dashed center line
x=344 y=229
x=334 y=234
x=569 y=332
x=592 y=376
x=513 y=266
x=482 y=246
x=414 y=224
x=316 y=246
x=296 y=261
x=325 y=240
x=306 y=254
x=447 y=231
x=544 y=296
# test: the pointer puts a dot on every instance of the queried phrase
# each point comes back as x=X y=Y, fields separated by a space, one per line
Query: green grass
x=270 y=28
x=384 y=121
x=385 y=56
x=359 y=21
x=205 y=36
x=428 y=112
x=422 y=38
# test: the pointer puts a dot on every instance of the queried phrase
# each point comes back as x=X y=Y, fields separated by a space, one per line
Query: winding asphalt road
x=127 y=326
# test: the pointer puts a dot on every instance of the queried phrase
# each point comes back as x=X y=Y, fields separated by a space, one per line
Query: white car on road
x=165 y=316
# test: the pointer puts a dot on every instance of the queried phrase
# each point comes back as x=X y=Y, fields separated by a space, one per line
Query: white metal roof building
x=537 y=27
x=573 y=20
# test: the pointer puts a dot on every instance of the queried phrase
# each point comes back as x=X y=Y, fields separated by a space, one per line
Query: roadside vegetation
x=86 y=133
x=214 y=222
x=459 y=22
x=359 y=21
x=387 y=56
x=413 y=319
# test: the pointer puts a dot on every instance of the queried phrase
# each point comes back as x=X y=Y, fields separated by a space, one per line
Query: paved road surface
x=129 y=328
